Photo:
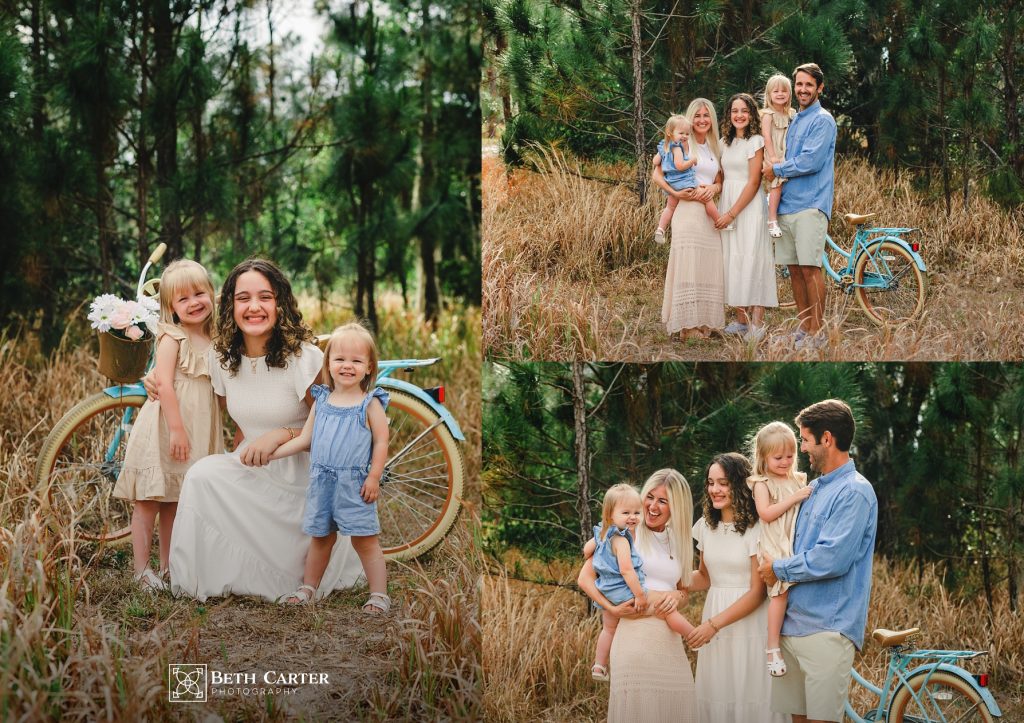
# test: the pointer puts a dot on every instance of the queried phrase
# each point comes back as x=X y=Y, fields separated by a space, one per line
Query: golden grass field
x=570 y=271
x=79 y=641
x=539 y=638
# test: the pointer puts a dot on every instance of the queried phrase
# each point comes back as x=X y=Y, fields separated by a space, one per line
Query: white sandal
x=599 y=673
x=773 y=229
x=379 y=601
x=776 y=663
x=147 y=580
x=303 y=596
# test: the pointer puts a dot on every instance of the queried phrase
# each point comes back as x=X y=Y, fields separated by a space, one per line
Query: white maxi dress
x=238 y=529
x=747 y=251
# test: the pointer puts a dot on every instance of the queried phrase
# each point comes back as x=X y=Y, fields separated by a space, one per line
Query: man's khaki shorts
x=817 y=676
x=803 y=238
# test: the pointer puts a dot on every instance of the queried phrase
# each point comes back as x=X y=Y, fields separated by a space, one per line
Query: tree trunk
x=428 y=176
x=639 y=137
x=142 y=147
x=165 y=132
x=579 y=413
x=944 y=153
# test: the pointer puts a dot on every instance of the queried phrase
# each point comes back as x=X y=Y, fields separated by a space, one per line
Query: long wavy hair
x=680 y=507
x=744 y=511
x=289 y=330
x=753 y=127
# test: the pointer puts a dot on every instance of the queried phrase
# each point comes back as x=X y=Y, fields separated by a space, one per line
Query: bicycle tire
x=75 y=473
x=906 y=297
x=963 y=703
x=419 y=501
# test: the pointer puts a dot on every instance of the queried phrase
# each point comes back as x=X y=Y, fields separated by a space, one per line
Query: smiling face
x=779 y=461
x=255 y=305
x=348 y=361
x=719 y=491
x=701 y=123
x=191 y=305
x=656 y=508
x=778 y=97
x=806 y=89
x=739 y=116
x=816 y=451
x=626 y=513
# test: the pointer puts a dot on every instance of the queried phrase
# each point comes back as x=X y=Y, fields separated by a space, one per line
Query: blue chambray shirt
x=831 y=562
x=810 y=162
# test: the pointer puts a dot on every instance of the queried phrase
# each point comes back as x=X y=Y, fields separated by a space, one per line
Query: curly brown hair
x=737 y=469
x=289 y=331
x=754 y=127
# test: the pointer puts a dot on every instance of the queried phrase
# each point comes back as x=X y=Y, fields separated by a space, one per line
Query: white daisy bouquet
x=131 y=320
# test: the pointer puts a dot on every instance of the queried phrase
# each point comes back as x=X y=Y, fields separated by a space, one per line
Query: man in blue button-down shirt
x=806 y=204
x=833 y=545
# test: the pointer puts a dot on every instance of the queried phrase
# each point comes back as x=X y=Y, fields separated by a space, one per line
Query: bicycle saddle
x=856 y=219
x=889 y=638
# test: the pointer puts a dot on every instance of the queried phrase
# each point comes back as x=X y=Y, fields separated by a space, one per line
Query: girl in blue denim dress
x=347 y=435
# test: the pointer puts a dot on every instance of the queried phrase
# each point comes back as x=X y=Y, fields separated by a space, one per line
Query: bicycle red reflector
x=915 y=246
x=982 y=679
x=436 y=393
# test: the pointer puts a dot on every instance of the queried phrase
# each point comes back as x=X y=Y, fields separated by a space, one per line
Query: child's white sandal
x=776 y=663
x=303 y=596
x=378 y=601
x=599 y=673
x=773 y=229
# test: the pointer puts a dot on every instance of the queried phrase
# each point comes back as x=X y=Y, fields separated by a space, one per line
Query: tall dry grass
x=78 y=641
x=570 y=271
x=539 y=640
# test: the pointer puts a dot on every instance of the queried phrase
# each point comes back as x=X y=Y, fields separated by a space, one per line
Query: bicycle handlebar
x=157 y=254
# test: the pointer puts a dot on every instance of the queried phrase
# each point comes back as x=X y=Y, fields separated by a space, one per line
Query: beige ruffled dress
x=779 y=124
x=149 y=472
x=777 y=535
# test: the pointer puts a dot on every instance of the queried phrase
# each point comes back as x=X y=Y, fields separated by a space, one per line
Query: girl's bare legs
x=372 y=557
x=712 y=210
x=679 y=623
x=776 y=613
x=666 y=215
x=167 y=512
x=774 y=196
x=604 y=641
x=317 y=558
x=143 y=519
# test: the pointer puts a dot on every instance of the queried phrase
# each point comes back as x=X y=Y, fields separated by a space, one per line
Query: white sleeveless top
x=661 y=572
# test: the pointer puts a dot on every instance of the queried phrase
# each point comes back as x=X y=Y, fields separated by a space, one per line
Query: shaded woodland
x=127 y=124
x=940 y=443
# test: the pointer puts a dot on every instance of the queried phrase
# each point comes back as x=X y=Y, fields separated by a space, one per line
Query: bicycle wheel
x=421 y=490
x=946 y=698
x=902 y=294
x=79 y=464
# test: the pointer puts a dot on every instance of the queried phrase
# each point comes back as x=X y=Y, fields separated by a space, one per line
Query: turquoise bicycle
x=420 y=493
x=882 y=269
x=940 y=691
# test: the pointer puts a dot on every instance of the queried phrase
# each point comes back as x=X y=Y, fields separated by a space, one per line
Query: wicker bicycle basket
x=123 y=360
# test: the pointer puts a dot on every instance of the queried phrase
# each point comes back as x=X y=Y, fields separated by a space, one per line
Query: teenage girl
x=347 y=435
x=778 y=489
x=171 y=434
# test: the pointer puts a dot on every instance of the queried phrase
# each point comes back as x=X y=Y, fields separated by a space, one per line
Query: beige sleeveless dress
x=779 y=124
x=777 y=535
x=149 y=471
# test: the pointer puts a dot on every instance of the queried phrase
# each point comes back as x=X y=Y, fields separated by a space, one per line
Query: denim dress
x=339 y=462
x=677 y=179
x=609 y=579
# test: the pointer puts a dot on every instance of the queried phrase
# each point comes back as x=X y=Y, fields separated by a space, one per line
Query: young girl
x=618 y=568
x=347 y=435
x=677 y=166
x=778 y=490
x=775 y=118
x=171 y=434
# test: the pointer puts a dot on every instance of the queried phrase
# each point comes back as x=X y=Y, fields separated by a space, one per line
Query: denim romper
x=339 y=462
x=677 y=179
x=609 y=579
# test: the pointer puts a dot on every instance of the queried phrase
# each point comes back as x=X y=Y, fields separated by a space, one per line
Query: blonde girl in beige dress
x=778 y=489
x=171 y=434
x=775 y=118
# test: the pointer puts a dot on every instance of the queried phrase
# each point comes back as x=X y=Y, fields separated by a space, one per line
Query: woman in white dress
x=693 y=302
x=733 y=685
x=651 y=678
x=747 y=249
x=239 y=524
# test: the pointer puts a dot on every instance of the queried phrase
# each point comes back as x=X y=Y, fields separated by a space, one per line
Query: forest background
x=940 y=443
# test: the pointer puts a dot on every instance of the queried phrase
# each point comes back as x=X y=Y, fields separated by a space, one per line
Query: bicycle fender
x=986 y=696
x=442 y=412
x=126 y=390
x=902 y=244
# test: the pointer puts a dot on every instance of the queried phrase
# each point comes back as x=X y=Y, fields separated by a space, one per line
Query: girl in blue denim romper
x=347 y=435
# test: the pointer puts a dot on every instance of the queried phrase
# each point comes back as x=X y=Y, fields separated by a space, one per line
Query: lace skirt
x=651 y=677
x=694 y=280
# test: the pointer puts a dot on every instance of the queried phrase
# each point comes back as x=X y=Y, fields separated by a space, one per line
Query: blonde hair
x=185 y=274
x=769 y=439
x=363 y=334
x=712 y=137
x=613 y=496
x=673 y=122
x=680 y=506
x=774 y=82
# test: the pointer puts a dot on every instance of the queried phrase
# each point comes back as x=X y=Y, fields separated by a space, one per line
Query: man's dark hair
x=832 y=415
x=812 y=70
